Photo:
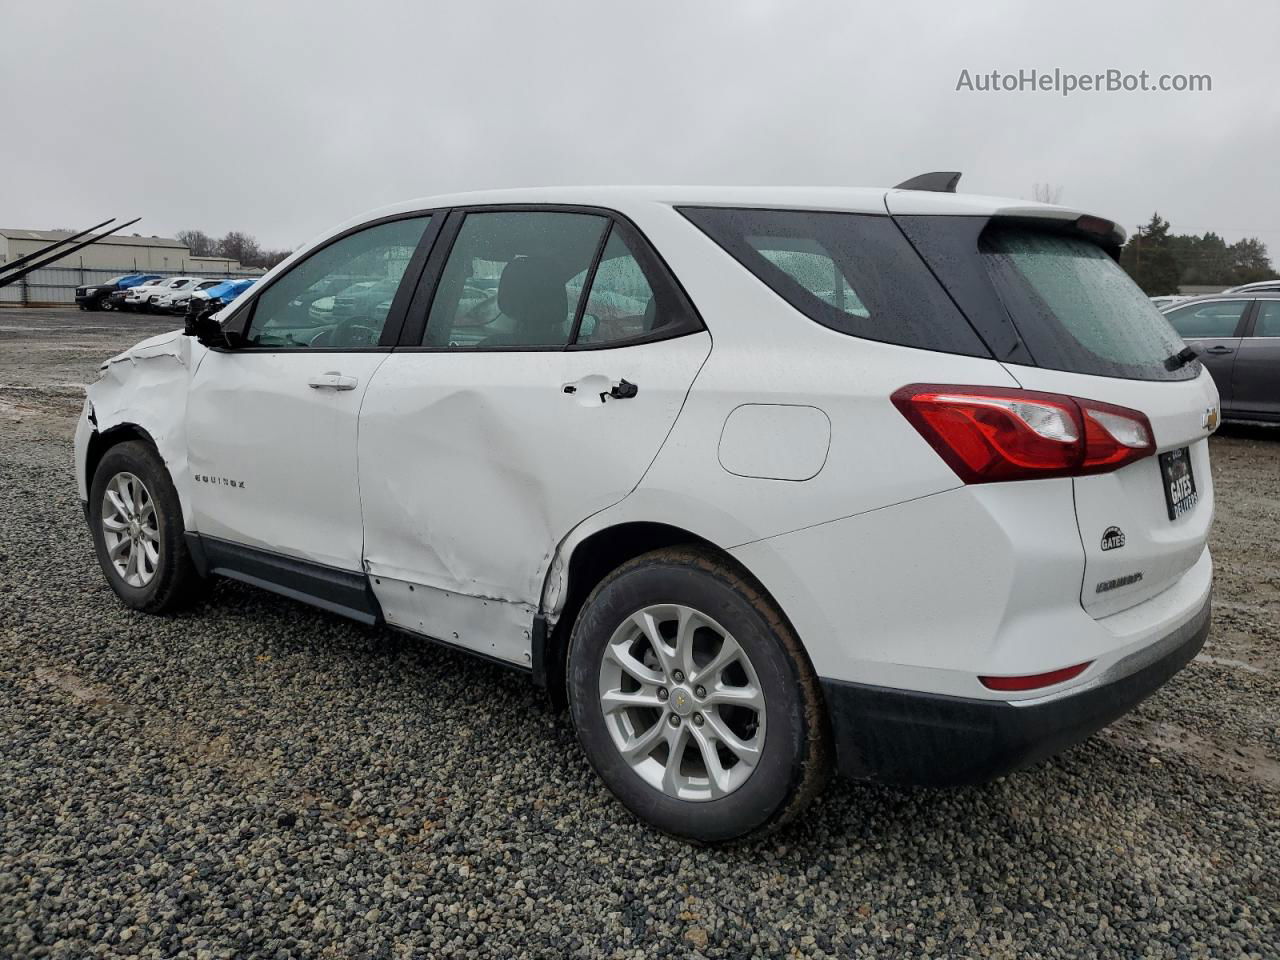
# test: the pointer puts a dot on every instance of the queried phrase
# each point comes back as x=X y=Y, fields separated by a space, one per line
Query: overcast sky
x=283 y=119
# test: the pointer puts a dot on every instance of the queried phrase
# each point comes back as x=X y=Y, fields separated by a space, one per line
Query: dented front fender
x=144 y=387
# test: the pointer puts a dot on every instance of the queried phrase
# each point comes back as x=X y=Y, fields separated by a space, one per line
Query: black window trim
x=980 y=335
x=415 y=322
x=242 y=316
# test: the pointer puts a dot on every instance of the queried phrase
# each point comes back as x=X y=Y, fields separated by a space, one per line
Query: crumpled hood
x=161 y=345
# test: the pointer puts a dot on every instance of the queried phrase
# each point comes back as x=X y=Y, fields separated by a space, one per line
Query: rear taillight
x=990 y=434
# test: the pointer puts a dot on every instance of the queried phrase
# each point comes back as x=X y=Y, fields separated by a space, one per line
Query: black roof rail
x=942 y=181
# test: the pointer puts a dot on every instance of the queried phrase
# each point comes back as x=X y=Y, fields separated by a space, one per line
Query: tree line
x=234 y=246
x=1161 y=261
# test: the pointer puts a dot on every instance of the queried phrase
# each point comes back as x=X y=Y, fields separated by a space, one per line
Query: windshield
x=1076 y=309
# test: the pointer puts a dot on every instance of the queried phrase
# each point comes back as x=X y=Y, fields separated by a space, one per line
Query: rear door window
x=1268 y=322
x=631 y=298
x=508 y=282
x=855 y=273
x=1217 y=318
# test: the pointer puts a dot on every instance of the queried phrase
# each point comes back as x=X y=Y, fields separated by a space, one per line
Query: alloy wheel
x=682 y=702
x=130 y=529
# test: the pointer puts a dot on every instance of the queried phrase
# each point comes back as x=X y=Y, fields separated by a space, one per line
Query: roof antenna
x=942 y=181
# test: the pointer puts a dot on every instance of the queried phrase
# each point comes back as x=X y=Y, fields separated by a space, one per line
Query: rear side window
x=1076 y=309
x=1217 y=318
x=855 y=273
x=1268 y=323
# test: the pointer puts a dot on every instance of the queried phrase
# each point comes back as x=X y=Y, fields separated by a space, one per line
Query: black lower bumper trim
x=902 y=736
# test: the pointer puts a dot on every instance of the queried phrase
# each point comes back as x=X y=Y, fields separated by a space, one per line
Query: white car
x=147 y=295
x=903 y=483
x=119 y=299
x=1260 y=286
x=176 y=300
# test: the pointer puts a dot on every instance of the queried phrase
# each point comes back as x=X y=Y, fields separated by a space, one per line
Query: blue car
x=223 y=293
x=97 y=296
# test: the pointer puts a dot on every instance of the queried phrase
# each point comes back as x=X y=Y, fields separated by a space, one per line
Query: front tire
x=137 y=528
x=694 y=700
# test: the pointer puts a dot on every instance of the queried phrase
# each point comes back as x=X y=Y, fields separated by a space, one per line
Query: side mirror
x=201 y=325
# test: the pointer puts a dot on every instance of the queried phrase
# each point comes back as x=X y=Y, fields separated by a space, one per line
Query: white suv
x=761 y=481
x=177 y=300
x=148 y=295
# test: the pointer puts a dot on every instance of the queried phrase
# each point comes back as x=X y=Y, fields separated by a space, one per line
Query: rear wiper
x=1179 y=359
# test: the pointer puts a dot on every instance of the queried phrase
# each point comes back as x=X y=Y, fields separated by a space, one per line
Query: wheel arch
x=580 y=566
x=102 y=441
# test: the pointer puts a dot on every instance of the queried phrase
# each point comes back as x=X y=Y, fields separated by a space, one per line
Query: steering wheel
x=348 y=333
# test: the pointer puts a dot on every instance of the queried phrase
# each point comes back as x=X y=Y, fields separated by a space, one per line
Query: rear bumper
x=905 y=736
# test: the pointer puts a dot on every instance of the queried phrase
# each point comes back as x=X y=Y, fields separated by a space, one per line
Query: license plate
x=1180 y=494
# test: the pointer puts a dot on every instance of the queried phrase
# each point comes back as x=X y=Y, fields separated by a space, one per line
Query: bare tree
x=239 y=246
x=1046 y=193
x=198 y=242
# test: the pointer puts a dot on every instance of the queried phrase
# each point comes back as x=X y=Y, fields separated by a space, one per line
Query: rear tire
x=694 y=700
x=138 y=533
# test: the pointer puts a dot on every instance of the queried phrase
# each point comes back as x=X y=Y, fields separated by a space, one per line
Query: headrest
x=531 y=292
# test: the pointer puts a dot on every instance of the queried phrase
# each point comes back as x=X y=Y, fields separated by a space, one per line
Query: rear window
x=1076 y=308
x=855 y=273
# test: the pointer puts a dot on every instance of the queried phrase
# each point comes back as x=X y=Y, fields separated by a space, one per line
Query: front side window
x=855 y=273
x=340 y=296
x=1218 y=318
x=508 y=281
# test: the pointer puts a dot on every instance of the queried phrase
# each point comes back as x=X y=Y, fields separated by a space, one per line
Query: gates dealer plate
x=1180 y=493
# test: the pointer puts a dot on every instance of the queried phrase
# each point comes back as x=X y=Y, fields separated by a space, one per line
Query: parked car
x=145 y=297
x=1237 y=338
x=912 y=484
x=1168 y=300
x=1261 y=286
x=175 y=301
x=125 y=298
x=98 y=296
x=223 y=292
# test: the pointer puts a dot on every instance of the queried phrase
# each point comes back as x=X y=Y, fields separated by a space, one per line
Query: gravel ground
x=259 y=779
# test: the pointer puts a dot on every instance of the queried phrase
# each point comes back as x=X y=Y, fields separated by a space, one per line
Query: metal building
x=143 y=254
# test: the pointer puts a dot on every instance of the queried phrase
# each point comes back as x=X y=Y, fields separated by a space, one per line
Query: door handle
x=332 y=381
x=596 y=389
x=624 y=389
x=1219 y=351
